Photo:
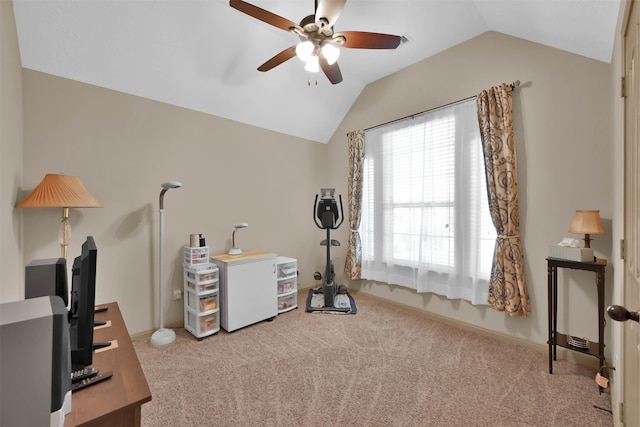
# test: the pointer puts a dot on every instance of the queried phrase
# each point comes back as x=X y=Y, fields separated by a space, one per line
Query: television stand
x=117 y=401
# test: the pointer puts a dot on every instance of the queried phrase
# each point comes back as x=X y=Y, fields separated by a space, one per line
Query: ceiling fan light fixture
x=330 y=53
x=304 y=50
x=313 y=64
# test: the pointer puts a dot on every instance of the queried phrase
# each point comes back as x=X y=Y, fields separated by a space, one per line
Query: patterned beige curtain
x=353 y=263
x=507 y=288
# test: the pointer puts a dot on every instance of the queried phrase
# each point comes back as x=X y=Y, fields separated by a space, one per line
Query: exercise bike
x=326 y=217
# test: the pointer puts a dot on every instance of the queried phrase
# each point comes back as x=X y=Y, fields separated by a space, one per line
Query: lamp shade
x=587 y=222
x=60 y=191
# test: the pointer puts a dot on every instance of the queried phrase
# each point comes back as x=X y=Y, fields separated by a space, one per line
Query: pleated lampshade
x=60 y=191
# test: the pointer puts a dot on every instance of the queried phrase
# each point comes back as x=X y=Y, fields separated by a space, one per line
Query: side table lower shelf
x=562 y=340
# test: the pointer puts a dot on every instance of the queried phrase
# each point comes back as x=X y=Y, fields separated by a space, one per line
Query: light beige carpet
x=384 y=366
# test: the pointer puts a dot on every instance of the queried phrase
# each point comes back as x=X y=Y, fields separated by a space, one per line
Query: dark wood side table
x=556 y=338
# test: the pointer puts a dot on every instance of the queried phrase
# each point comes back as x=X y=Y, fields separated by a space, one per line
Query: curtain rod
x=513 y=86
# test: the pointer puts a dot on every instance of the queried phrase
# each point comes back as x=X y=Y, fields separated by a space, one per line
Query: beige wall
x=11 y=267
x=563 y=129
x=123 y=147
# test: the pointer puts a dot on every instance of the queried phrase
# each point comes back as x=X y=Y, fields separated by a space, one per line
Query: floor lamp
x=163 y=336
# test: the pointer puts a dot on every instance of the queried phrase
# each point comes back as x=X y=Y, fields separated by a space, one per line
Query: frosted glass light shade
x=312 y=64
x=304 y=50
x=331 y=53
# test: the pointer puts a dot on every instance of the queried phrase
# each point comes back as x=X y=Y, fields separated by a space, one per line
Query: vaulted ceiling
x=203 y=54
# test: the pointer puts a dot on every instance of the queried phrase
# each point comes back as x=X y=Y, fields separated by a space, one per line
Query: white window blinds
x=425 y=218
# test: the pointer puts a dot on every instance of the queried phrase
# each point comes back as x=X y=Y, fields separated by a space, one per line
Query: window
x=425 y=217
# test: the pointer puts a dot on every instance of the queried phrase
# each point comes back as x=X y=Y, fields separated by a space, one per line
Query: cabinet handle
x=274 y=268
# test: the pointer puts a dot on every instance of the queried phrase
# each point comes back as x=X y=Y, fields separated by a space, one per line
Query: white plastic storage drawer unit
x=201 y=299
x=196 y=256
x=287 y=276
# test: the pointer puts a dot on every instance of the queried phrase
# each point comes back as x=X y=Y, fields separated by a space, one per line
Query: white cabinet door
x=250 y=292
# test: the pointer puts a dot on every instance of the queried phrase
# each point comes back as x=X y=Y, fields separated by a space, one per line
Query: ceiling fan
x=318 y=45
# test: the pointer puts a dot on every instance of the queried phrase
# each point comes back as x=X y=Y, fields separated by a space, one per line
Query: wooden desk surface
x=118 y=400
x=244 y=256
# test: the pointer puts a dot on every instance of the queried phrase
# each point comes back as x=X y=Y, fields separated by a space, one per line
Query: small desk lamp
x=163 y=336
x=235 y=250
x=587 y=223
x=61 y=191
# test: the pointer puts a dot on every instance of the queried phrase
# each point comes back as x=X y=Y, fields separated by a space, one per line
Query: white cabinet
x=248 y=292
x=201 y=299
x=287 y=276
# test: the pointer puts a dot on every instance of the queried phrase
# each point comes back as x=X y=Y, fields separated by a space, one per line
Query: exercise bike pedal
x=333 y=242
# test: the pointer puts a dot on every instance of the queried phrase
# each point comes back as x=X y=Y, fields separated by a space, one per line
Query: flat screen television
x=82 y=307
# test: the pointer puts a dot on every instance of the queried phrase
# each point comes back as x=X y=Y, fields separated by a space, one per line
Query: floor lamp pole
x=163 y=336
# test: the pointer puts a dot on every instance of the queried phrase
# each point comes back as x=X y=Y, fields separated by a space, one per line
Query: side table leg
x=600 y=284
x=550 y=316
x=554 y=285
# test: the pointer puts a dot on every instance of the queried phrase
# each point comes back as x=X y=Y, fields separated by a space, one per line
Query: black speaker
x=46 y=277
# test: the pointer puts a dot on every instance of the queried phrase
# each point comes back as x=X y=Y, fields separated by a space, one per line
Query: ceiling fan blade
x=331 y=71
x=329 y=10
x=365 y=40
x=283 y=56
x=264 y=15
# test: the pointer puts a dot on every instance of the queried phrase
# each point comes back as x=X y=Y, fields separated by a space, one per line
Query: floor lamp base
x=163 y=337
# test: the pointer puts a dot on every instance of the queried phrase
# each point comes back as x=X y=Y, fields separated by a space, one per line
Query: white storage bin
x=287 y=286
x=287 y=274
x=288 y=268
x=205 y=276
x=196 y=256
x=202 y=325
x=203 y=303
x=287 y=302
x=202 y=287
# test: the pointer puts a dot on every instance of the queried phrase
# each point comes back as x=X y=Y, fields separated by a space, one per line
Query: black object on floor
x=344 y=303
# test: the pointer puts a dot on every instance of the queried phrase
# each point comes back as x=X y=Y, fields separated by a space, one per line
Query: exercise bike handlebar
x=315 y=206
x=341 y=213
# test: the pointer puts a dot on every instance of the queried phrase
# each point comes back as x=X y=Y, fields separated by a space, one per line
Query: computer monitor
x=82 y=307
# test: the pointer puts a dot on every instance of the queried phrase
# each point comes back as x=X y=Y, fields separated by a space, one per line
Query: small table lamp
x=587 y=222
x=236 y=250
x=61 y=191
